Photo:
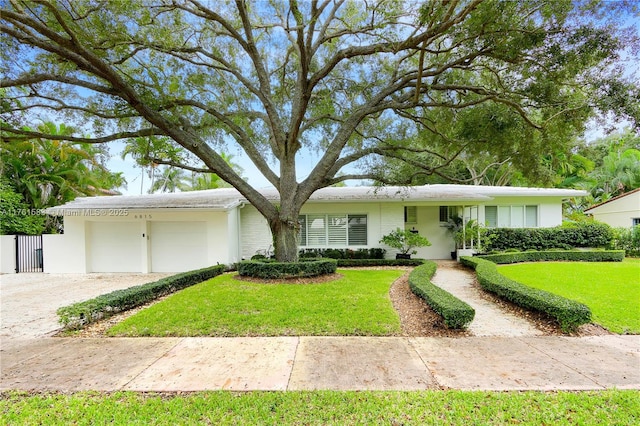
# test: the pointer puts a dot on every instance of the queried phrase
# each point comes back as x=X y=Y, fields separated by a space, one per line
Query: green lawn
x=357 y=304
x=610 y=289
x=322 y=407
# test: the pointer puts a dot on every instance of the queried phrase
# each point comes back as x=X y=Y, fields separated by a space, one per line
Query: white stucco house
x=183 y=231
x=622 y=211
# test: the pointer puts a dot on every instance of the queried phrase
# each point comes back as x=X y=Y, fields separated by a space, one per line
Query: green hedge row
x=456 y=313
x=561 y=237
x=346 y=263
x=557 y=255
x=371 y=253
x=569 y=314
x=277 y=270
x=82 y=313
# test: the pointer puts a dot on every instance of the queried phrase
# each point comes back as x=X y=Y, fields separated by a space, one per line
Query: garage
x=114 y=247
x=178 y=246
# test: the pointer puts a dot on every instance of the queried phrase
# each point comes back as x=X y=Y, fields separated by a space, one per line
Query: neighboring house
x=621 y=211
x=182 y=231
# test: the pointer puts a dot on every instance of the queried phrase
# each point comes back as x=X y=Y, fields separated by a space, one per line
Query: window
x=635 y=221
x=511 y=216
x=447 y=212
x=411 y=214
x=333 y=230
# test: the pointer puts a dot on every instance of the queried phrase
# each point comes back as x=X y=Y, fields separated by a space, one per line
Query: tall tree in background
x=346 y=79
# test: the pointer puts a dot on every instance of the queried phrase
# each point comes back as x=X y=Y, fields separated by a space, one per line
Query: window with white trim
x=516 y=216
x=448 y=212
x=332 y=230
x=635 y=221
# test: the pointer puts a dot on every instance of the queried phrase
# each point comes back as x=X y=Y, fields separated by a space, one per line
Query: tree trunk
x=285 y=239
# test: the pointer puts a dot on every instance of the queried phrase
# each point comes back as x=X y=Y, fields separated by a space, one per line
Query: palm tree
x=52 y=172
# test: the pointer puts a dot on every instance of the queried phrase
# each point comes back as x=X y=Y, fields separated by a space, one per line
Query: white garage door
x=115 y=247
x=178 y=246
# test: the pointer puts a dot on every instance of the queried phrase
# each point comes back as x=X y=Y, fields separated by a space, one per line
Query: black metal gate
x=29 y=253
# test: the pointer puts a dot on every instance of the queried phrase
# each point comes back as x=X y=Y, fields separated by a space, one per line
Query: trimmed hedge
x=105 y=305
x=283 y=270
x=556 y=255
x=346 y=263
x=561 y=237
x=372 y=253
x=456 y=313
x=569 y=313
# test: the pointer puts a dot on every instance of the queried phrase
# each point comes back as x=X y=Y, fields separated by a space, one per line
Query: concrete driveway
x=28 y=301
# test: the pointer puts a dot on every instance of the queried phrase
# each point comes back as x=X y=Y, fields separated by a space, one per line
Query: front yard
x=357 y=304
x=610 y=289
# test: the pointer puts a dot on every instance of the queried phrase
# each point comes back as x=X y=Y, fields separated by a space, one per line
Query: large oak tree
x=350 y=80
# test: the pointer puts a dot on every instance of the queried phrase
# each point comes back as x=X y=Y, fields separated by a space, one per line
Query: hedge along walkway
x=490 y=319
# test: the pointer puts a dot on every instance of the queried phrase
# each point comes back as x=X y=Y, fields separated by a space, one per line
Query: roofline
x=613 y=199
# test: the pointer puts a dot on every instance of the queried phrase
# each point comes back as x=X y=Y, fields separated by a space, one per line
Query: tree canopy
x=353 y=81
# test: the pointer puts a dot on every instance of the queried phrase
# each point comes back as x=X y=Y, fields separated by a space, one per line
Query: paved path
x=28 y=301
x=334 y=363
x=490 y=320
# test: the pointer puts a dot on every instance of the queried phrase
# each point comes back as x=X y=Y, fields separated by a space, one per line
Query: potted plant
x=405 y=241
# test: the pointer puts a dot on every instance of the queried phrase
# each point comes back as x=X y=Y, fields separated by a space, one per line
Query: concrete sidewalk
x=305 y=363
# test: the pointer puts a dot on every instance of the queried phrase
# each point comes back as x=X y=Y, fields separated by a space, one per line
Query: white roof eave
x=225 y=199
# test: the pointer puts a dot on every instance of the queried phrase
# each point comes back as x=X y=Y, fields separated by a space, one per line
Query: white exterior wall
x=619 y=213
x=254 y=232
x=66 y=253
x=7 y=254
x=71 y=252
x=381 y=219
x=428 y=225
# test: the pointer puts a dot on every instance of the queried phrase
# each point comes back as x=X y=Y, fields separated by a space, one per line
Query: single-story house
x=182 y=231
x=622 y=211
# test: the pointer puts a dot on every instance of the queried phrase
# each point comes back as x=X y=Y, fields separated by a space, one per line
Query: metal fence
x=29 y=253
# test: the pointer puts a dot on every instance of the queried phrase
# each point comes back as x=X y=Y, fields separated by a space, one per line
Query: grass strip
x=322 y=408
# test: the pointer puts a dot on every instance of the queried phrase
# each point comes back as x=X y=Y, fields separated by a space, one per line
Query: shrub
x=556 y=255
x=455 y=312
x=574 y=235
x=283 y=270
x=404 y=241
x=372 y=253
x=627 y=239
x=569 y=314
x=103 y=306
x=346 y=263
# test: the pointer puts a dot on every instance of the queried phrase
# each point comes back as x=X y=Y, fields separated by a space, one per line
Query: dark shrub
x=283 y=270
x=561 y=237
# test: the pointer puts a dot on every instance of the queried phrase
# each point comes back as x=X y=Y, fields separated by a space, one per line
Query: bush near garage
x=103 y=306
x=569 y=313
x=456 y=313
x=267 y=269
x=574 y=235
x=556 y=255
